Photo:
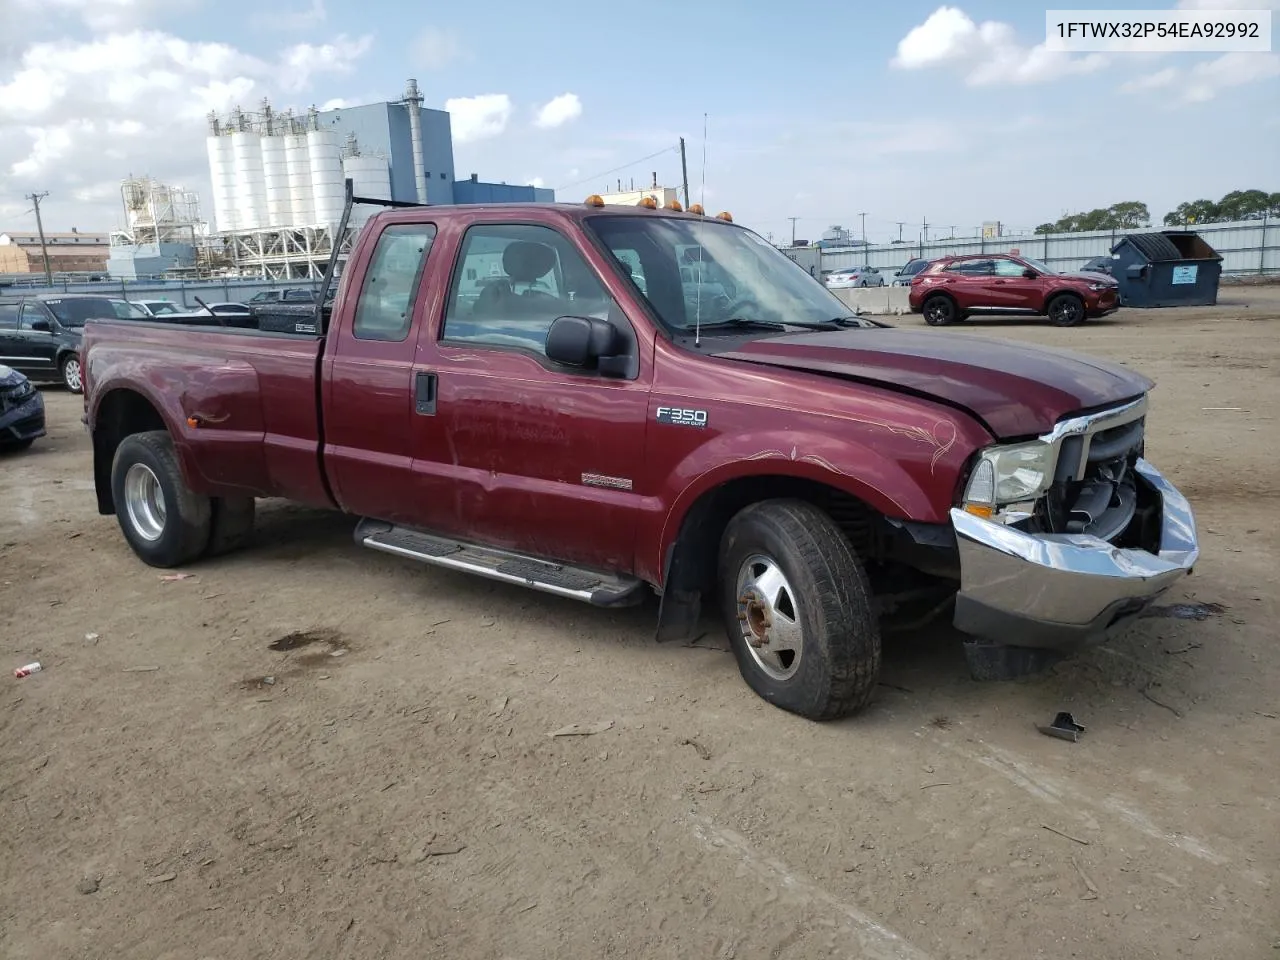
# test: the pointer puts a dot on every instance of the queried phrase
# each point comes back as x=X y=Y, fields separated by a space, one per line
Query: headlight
x=1009 y=474
x=1099 y=286
x=25 y=389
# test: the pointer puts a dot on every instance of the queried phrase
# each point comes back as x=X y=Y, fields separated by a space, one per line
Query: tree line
x=1131 y=214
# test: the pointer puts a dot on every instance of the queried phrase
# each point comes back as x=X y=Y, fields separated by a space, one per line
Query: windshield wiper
x=745 y=323
x=851 y=321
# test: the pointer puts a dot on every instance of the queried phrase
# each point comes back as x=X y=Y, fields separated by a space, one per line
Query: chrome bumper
x=1062 y=591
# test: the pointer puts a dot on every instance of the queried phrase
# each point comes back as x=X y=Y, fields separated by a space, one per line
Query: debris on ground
x=426 y=851
x=1064 y=727
x=703 y=752
x=582 y=729
x=1067 y=835
x=175 y=577
x=91 y=638
x=162 y=878
x=87 y=885
x=27 y=670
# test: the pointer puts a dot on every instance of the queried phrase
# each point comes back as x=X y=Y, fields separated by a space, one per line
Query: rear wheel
x=798 y=610
x=165 y=522
x=1065 y=310
x=71 y=374
x=939 y=311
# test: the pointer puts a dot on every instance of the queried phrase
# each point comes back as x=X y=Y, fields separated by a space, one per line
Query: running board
x=597 y=589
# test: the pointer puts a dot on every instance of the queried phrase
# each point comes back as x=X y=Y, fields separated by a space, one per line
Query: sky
x=907 y=112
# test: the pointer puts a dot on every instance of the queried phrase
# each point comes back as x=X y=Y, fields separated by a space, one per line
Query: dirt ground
x=392 y=790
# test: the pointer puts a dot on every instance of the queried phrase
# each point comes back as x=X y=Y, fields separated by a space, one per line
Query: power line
x=605 y=173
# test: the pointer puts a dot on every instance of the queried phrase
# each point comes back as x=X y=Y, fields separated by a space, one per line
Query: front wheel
x=798 y=610
x=165 y=522
x=939 y=311
x=71 y=374
x=1065 y=310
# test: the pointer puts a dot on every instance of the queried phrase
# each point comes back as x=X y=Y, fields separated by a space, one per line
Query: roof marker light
x=595 y=200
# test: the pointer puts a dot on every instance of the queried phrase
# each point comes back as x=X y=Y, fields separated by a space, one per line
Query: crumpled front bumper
x=21 y=420
x=1063 y=591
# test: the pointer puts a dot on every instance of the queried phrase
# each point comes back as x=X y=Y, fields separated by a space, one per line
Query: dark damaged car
x=21 y=411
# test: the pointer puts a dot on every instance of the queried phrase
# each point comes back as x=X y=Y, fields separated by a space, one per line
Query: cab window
x=385 y=308
x=1009 y=268
x=9 y=316
x=513 y=280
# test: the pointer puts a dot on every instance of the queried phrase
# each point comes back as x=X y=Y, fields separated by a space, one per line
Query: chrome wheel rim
x=1066 y=311
x=937 y=311
x=769 y=617
x=71 y=374
x=144 y=502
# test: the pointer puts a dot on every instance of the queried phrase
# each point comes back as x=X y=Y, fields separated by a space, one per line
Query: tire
x=807 y=588
x=232 y=524
x=1065 y=310
x=939 y=310
x=167 y=530
x=72 y=375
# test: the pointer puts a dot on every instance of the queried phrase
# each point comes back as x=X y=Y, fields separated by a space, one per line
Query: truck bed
x=242 y=405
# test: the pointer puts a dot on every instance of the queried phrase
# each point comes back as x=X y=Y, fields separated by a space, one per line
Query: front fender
x=910 y=472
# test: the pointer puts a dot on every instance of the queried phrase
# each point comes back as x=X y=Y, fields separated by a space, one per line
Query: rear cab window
x=385 y=309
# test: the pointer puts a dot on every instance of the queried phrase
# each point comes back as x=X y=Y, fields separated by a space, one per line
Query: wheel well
x=693 y=556
x=934 y=295
x=1059 y=294
x=121 y=413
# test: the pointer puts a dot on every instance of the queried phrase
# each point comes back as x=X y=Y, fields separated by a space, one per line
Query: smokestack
x=413 y=102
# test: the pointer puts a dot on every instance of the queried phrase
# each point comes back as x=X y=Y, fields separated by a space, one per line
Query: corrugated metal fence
x=1247 y=247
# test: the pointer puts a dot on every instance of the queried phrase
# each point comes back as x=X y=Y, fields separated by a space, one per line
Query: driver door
x=39 y=347
x=535 y=457
x=1013 y=291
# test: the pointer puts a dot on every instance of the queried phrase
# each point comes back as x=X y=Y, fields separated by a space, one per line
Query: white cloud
x=103 y=15
x=535 y=182
x=290 y=20
x=77 y=113
x=1151 y=81
x=1229 y=4
x=476 y=118
x=559 y=111
x=1207 y=79
x=435 y=49
x=986 y=53
x=337 y=103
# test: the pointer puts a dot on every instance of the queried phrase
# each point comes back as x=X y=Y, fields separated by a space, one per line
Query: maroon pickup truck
x=605 y=402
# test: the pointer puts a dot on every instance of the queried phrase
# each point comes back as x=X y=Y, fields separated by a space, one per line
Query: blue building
x=388 y=129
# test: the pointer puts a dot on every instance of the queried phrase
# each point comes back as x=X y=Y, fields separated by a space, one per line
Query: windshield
x=703 y=272
x=1038 y=266
x=74 y=311
x=161 y=307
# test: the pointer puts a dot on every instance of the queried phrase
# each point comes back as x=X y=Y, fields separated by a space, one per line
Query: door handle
x=424 y=394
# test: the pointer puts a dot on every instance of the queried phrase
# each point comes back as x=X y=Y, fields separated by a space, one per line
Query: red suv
x=955 y=287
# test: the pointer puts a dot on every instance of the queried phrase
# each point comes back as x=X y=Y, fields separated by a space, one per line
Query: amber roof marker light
x=595 y=200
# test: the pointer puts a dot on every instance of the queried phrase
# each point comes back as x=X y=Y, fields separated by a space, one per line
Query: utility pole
x=864 y=231
x=684 y=173
x=35 y=198
x=900 y=223
x=793 y=229
x=953 y=232
x=924 y=225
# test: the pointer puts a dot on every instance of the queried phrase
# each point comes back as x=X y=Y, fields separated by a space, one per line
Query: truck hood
x=1014 y=389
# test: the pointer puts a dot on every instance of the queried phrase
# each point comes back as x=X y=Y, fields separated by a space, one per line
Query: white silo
x=297 y=161
x=275 y=177
x=222 y=176
x=370 y=177
x=327 y=190
x=251 y=190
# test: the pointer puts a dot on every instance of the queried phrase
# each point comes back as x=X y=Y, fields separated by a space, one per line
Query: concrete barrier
x=875 y=300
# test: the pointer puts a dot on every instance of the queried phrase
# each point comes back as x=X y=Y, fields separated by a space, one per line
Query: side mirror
x=588 y=343
x=41 y=325
x=1030 y=274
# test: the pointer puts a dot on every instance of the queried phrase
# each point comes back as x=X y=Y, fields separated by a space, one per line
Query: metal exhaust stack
x=413 y=101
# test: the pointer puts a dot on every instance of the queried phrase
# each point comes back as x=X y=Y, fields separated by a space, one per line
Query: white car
x=159 y=308
x=854 y=277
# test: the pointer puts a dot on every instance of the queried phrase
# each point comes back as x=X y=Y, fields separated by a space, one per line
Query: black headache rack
x=313 y=318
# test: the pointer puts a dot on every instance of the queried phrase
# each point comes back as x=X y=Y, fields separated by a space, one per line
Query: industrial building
x=279 y=177
x=72 y=252
x=165 y=234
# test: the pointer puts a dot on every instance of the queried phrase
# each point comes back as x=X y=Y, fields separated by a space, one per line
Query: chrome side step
x=576 y=583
